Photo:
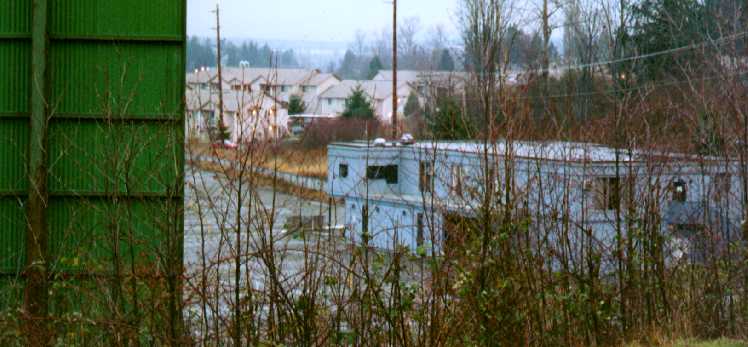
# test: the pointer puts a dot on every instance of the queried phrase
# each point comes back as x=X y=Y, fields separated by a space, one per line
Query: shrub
x=325 y=131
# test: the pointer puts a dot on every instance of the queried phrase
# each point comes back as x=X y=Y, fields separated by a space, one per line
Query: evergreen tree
x=374 y=66
x=447 y=122
x=199 y=53
x=296 y=105
x=661 y=25
x=412 y=105
x=357 y=105
x=348 y=68
x=288 y=59
x=231 y=54
x=446 y=63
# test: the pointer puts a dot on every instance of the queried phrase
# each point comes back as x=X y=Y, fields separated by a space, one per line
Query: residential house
x=247 y=116
x=427 y=83
x=280 y=83
x=332 y=100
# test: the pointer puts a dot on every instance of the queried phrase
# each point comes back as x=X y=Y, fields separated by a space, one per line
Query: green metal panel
x=12 y=235
x=15 y=71
x=15 y=18
x=14 y=76
x=85 y=233
x=14 y=143
x=145 y=19
x=126 y=79
x=132 y=157
x=114 y=157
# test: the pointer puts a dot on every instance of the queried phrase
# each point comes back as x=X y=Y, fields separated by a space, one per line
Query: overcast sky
x=312 y=20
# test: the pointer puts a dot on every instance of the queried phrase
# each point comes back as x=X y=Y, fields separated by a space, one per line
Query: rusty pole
x=394 y=70
x=221 y=124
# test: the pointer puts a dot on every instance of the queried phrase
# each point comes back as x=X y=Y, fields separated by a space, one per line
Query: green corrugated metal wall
x=115 y=139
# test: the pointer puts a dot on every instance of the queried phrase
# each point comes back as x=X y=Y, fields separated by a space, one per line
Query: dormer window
x=680 y=191
x=343 y=170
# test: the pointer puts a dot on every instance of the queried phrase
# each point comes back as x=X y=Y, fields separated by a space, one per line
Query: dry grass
x=289 y=159
x=279 y=186
x=300 y=161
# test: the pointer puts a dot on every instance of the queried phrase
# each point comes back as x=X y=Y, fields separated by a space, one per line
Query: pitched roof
x=290 y=77
x=320 y=78
x=232 y=100
x=416 y=76
x=250 y=75
x=377 y=90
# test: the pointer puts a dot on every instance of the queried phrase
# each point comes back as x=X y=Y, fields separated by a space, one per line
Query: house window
x=343 y=170
x=608 y=193
x=329 y=101
x=419 y=230
x=283 y=89
x=426 y=177
x=679 y=191
x=387 y=173
x=456 y=185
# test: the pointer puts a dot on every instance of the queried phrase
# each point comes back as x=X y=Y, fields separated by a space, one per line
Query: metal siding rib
x=103 y=55
x=113 y=79
x=127 y=19
x=83 y=232
x=14 y=138
x=14 y=76
x=128 y=158
x=12 y=235
x=15 y=17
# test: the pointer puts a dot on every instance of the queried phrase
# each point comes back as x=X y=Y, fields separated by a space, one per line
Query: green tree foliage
x=662 y=25
x=374 y=66
x=199 y=53
x=349 y=68
x=447 y=121
x=446 y=62
x=296 y=105
x=358 y=105
x=412 y=105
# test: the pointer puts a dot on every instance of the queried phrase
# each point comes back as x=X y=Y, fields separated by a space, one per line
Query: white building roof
x=560 y=151
x=250 y=75
x=377 y=90
x=418 y=76
x=552 y=150
x=232 y=100
x=318 y=79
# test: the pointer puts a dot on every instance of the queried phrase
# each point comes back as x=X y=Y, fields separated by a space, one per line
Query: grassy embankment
x=292 y=160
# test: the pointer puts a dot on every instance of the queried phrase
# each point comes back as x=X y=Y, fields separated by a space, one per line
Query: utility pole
x=221 y=126
x=394 y=69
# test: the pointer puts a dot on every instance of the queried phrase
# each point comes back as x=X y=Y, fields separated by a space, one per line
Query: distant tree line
x=202 y=52
x=365 y=57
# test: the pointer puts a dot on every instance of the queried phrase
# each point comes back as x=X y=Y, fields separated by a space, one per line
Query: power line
x=645 y=56
x=632 y=89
